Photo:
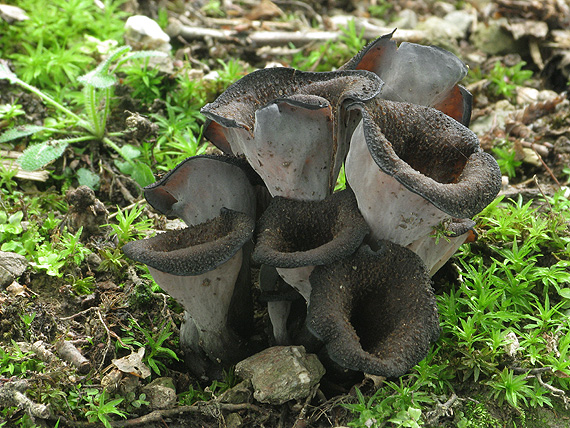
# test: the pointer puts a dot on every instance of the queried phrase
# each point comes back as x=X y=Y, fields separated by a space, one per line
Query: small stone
x=461 y=20
x=141 y=33
x=500 y=111
x=241 y=393
x=281 y=373
x=492 y=38
x=234 y=420
x=407 y=18
x=12 y=265
x=161 y=393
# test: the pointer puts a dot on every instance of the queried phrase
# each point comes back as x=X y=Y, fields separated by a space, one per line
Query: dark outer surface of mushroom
x=375 y=311
x=298 y=233
x=432 y=155
x=196 y=249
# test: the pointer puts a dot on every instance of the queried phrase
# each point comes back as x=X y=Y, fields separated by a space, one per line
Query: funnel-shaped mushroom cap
x=412 y=167
x=294 y=236
x=199 y=266
x=283 y=121
x=375 y=311
x=299 y=233
x=200 y=186
x=425 y=75
x=196 y=249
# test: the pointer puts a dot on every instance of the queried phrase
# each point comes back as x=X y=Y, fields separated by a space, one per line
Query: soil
x=95 y=322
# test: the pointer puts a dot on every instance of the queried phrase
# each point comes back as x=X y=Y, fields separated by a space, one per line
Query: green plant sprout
x=98 y=90
x=506 y=158
x=100 y=409
x=504 y=80
x=127 y=229
x=153 y=344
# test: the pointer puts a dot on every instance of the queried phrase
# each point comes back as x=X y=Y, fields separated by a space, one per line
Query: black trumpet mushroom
x=205 y=267
x=288 y=125
x=397 y=118
x=413 y=170
x=295 y=236
x=418 y=74
x=375 y=310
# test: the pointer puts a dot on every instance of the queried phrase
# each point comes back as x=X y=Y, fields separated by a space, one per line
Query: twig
x=302 y=420
x=158 y=415
x=543 y=195
x=71 y=354
x=12 y=394
x=441 y=410
x=555 y=391
x=44 y=354
x=284 y=38
x=535 y=371
x=92 y=308
x=546 y=167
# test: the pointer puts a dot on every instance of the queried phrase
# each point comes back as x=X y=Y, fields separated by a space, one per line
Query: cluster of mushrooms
x=361 y=259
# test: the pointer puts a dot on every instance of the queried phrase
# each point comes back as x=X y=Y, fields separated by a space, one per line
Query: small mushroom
x=295 y=236
x=375 y=311
x=424 y=75
x=199 y=266
x=197 y=191
x=287 y=123
x=413 y=168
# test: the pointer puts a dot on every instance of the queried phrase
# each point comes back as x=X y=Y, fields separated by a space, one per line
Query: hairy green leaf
x=38 y=155
x=19 y=132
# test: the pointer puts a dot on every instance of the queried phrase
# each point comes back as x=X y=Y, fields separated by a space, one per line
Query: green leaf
x=142 y=174
x=130 y=152
x=19 y=132
x=38 y=155
x=124 y=166
x=564 y=292
x=98 y=79
x=87 y=178
x=145 y=54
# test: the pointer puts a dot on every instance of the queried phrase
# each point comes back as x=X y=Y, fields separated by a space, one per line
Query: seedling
x=127 y=229
x=91 y=124
x=507 y=161
x=101 y=409
x=504 y=80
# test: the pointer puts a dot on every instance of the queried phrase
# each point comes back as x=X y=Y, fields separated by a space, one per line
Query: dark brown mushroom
x=413 y=169
x=289 y=126
x=294 y=236
x=375 y=311
x=205 y=266
x=199 y=267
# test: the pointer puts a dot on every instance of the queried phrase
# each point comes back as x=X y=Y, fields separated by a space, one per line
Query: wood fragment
x=44 y=354
x=157 y=416
x=12 y=394
x=283 y=38
x=71 y=354
x=7 y=160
